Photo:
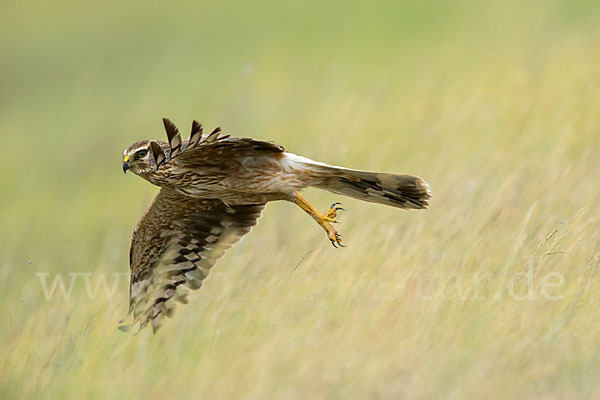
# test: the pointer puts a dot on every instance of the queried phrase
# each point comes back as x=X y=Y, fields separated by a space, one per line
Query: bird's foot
x=325 y=220
x=334 y=237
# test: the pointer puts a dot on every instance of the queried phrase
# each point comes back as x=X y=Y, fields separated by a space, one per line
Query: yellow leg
x=324 y=220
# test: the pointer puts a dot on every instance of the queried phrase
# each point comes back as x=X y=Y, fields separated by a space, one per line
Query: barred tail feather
x=402 y=191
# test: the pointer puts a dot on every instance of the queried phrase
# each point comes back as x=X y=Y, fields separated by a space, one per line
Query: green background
x=494 y=103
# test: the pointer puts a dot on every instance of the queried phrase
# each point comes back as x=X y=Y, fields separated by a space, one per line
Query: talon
x=336 y=240
x=332 y=212
x=324 y=220
x=339 y=208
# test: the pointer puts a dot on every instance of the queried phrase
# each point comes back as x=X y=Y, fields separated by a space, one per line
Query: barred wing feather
x=174 y=247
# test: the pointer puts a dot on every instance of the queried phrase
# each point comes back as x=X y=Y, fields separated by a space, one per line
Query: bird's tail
x=402 y=191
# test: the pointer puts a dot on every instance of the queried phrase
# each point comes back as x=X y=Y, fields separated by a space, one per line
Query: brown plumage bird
x=213 y=190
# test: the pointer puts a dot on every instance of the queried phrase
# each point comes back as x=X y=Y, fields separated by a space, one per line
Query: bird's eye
x=141 y=154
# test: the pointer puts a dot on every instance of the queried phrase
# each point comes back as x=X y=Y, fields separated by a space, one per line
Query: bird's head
x=137 y=158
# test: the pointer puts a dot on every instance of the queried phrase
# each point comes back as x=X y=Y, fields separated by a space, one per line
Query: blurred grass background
x=494 y=103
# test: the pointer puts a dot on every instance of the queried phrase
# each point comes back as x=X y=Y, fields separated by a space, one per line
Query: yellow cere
x=126 y=159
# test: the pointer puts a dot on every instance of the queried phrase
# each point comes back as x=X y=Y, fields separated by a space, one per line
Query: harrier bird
x=213 y=190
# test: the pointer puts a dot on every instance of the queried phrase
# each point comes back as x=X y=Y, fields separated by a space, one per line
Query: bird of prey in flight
x=213 y=190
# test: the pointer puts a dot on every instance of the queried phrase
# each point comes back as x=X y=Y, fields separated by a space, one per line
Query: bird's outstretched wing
x=173 y=248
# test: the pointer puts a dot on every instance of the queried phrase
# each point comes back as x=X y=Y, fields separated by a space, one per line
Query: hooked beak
x=125 y=164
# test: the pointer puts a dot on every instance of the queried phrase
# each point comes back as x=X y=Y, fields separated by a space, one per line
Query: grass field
x=491 y=293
